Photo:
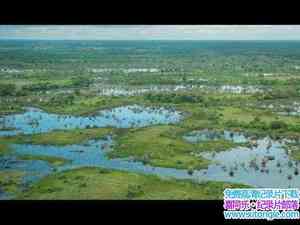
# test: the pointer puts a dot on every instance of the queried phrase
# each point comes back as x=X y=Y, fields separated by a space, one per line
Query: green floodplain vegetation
x=97 y=183
x=163 y=146
x=61 y=137
x=10 y=181
x=58 y=78
x=4 y=149
x=54 y=161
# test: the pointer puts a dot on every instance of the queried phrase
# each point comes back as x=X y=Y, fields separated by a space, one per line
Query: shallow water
x=210 y=135
x=266 y=164
x=251 y=166
x=38 y=121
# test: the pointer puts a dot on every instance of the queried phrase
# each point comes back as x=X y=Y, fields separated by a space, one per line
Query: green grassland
x=64 y=137
x=293 y=150
x=295 y=154
x=4 y=149
x=52 y=160
x=164 y=146
x=10 y=181
x=94 y=183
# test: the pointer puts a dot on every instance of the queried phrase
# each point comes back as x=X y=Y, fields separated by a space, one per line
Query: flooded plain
x=38 y=121
x=266 y=163
x=258 y=166
x=263 y=163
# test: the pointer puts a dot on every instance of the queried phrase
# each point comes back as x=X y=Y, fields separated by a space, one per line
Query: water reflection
x=38 y=121
x=265 y=164
x=212 y=135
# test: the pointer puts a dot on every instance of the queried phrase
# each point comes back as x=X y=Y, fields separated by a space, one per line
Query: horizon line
x=34 y=39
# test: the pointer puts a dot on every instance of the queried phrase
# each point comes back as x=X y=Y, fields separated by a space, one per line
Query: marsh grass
x=115 y=184
x=52 y=160
x=62 y=137
x=158 y=146
x=4 y=149
x=10 y=181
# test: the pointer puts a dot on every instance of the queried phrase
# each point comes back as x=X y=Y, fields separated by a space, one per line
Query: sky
x=151 y=32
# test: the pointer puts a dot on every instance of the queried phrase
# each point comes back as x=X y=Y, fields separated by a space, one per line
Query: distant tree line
x=173 y=98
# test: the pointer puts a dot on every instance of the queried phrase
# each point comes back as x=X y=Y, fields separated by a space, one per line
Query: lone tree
x=274 y=125
x=7 y=89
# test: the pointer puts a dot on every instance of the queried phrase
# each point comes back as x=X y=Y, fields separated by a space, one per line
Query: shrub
x=278 y=125
x=81 y=81
x=134 y=191
x=173 y=98
x=190 y=171
x=39 y=87
x=232 y=123
x=7 y=89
